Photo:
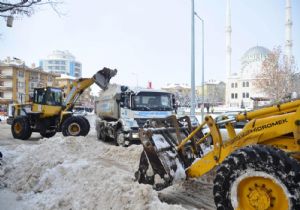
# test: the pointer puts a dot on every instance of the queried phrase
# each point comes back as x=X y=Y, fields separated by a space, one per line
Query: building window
x=1 y=95
x=244 y=95
x=63 y=68
x=21 y=73
x=1 y=83
x=232 y=85
x=235 y=95
x=243 y=84
x=50 y=67
x=235 y=85
x=247 y=95
x=232 y=95
x=50 y=62
x=63 y=62
x=56 y=62
x=247 y=84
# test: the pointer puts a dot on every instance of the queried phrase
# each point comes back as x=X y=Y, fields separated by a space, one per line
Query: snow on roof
x=176 y=85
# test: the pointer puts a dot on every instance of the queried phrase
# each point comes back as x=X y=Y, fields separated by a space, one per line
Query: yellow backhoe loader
x=255 y=169
x=48 y=113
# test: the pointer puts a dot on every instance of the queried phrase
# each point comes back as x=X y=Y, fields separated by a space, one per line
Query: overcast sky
x=149 y=40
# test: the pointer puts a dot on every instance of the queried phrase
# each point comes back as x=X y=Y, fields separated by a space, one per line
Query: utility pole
x=202 y=107
x=192 y=109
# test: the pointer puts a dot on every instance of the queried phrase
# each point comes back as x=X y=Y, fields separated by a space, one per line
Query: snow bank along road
x=84 y=173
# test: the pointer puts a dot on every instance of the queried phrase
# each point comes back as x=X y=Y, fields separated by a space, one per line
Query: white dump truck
x=121 y=111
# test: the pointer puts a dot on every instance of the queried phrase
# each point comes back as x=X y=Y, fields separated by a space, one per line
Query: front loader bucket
x=103 y=77
x=161 y=164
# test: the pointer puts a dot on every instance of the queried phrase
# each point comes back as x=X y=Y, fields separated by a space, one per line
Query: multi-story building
x=214 y=92
x=17 y=81
x=182 y=93
x=62 y=62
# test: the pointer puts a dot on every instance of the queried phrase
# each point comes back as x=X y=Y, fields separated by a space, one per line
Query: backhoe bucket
x=161 y=164
x=103 y=77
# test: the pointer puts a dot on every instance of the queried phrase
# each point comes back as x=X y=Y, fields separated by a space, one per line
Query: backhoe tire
x=48 y=134
x=73 y=126
x=20 y=128
x=87 y=126
x=258 y=177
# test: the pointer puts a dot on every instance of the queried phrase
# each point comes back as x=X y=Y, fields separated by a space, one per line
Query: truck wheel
x=257 y=177
x=101 y=134
x=20 y=128
x=48 y=134
x=73 y=126
x=120 y=138
x=87 y=126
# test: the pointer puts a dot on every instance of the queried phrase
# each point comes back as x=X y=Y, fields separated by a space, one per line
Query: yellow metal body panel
x=278 y=126
x=46 y=110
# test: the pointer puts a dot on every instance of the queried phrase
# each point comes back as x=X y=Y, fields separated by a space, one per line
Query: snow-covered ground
x=84 y=173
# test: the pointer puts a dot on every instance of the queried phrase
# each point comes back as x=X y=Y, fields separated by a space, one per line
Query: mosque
x=240 y=89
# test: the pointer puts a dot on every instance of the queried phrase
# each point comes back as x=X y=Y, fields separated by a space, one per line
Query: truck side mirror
x=174 y=104
x=124 y=88
x=118 y=97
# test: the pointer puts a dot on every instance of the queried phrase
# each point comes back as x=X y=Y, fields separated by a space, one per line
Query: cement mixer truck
x=121 y=111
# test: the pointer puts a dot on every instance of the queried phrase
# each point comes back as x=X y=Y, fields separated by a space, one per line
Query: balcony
x=6 y=88
x=5 y=76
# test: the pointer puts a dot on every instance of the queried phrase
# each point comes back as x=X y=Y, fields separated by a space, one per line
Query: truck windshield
x=152 y=101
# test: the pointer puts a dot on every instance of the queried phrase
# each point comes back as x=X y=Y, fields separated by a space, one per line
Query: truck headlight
x=135 y=135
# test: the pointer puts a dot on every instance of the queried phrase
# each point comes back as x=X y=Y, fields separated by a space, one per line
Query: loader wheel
x=73 y=126
x=20 y=128
x=87 y=126
x=257 y=178
x=48 y=134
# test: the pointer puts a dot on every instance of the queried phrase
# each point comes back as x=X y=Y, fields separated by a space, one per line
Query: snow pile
x=77 y=173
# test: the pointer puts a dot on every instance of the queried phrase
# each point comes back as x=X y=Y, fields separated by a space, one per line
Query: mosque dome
x=257 y=53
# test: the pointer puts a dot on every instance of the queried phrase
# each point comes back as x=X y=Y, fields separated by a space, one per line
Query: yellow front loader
x=48 y=113
x=255 y=169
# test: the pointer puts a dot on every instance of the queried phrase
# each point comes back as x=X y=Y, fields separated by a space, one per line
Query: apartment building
x=62 y=62
x=17 y=81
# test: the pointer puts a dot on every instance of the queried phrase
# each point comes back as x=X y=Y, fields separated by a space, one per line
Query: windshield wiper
x=162 y=108
x=142 y=108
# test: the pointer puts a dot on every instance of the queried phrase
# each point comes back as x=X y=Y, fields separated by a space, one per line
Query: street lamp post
x=202 y=107
x=192 y=109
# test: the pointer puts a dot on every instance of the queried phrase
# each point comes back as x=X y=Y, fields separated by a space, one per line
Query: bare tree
x=275 y=79
x=25 y=7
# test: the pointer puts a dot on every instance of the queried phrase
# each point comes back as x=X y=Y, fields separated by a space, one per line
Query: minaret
x=228 y=51
x=288 y=29
x=228 y=39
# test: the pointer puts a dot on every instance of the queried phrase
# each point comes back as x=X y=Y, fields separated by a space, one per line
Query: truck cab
x=126 y=110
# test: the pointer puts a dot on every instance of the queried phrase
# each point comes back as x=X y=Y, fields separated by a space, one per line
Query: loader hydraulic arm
x=101 y=78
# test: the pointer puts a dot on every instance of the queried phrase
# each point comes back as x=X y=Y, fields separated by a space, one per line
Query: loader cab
x=47 y=101
x=48 y=96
